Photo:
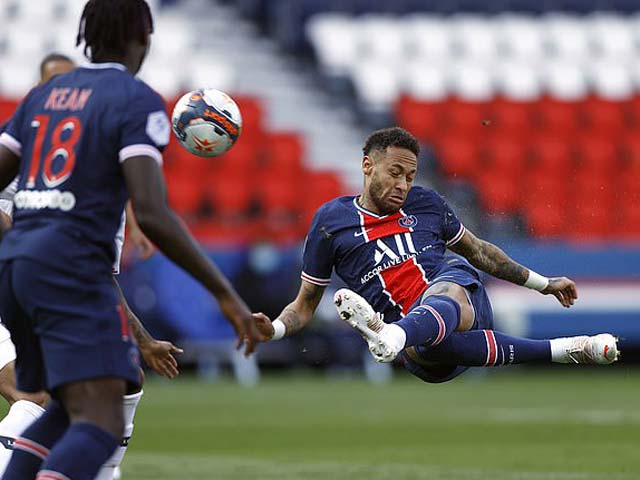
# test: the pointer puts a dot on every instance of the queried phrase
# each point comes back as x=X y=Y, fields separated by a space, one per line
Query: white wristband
x=536 y=281
x=279 y=329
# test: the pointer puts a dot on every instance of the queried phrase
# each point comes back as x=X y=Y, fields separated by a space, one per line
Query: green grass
x=507 y=426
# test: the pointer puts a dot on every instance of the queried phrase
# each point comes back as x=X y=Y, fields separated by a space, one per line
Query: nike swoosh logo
x=359 y=234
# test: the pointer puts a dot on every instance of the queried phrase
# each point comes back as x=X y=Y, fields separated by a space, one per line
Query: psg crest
x=409 y=221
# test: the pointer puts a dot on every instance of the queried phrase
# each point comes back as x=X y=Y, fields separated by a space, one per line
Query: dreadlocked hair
x=107 y=26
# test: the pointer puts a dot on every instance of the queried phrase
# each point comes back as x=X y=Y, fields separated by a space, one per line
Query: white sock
x=395 y=336
x=21 y=414
x=130 y=403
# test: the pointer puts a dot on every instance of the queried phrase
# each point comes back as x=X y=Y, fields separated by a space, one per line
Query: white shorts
x=7 y=350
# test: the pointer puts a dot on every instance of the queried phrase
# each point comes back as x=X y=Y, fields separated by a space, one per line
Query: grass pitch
x=513 y=424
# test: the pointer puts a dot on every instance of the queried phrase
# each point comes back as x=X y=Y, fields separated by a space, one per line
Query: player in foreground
x=82 y=144
x=28 y=407
x=406 y=298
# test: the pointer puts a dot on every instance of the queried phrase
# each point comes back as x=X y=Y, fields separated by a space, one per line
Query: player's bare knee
x=458 y=294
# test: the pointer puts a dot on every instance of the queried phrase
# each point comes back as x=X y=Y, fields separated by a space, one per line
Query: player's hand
x=142 y=243
x=264 y=326
x=564 y=289
x=158 y=355
x=242 y=321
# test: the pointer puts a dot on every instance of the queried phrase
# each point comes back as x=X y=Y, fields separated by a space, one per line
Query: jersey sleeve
x=452 y=228
x=317 y=260
x=11 y=132
x=144 y=128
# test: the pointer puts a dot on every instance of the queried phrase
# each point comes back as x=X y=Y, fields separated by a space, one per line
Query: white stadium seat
x=377 y=87
x=428 y=37
x=163 y=78
x=611 y=80
x=17 y=77
x=564 y=80
x=566 y=36
x=208 y=72
x=26 y=42
x=518 y=80
x=612 y=36
x=474 y=37
x=333 y=37
x=42 y=11
x=427 y=81
x=520 y=37
x=472 y=81
x=380 y=36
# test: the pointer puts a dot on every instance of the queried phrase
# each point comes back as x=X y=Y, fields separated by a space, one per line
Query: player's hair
x=391 y=137
x=107 y=26
x=53 y=57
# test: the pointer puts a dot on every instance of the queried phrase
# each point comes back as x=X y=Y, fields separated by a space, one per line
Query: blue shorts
x=463 y=274
x=65 y=329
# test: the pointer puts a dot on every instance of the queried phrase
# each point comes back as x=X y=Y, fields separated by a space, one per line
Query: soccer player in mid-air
x=82 y=144
x=28 y=407
x=405 y=296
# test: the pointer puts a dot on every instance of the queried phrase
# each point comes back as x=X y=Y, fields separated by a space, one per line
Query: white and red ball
x=207 y=122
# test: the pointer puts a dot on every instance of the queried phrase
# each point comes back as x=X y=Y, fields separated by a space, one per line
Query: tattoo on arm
x=140 y=333
x=297 y=314
x=491 y=259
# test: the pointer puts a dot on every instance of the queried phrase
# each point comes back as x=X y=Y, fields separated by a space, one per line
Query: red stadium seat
x=7 y=107
x=499 y=194
x=630 y=155
x=545 y=221
x=605 y=117
x=597 y=154
x=466 y=118
x=557 y=116
x=551 y=155
x=252 y=117
x=458 y=156
x=589 y=222
x=284 y=154
x=589 y=189
x=319 y=188
x=185 y=196
x=277 y=194
x=242 y=159
x=422 y=119
x=512 y=118
x=504 y=155
x=230 y=196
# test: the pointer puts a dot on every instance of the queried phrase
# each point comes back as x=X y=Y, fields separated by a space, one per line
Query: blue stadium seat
x=526 y=6
x=622 y=6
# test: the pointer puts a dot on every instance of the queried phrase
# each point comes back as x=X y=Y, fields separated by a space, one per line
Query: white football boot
x=599 y=349
x=357 y=312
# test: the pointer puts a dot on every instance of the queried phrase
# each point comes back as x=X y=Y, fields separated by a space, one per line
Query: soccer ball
x=207 y=122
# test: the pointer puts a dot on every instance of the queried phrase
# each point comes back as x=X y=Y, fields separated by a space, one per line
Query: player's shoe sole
x=356 y=311
x=599 y=349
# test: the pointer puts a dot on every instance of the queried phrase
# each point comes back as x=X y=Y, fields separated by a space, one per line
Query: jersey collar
x=364 y=210
x=99 y=66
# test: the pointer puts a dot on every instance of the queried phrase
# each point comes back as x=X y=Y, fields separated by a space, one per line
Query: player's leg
x=444 y=308
x=89 y=359
x=112 y=465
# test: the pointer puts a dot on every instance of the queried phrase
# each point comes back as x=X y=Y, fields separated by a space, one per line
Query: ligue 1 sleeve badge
x=409 y=221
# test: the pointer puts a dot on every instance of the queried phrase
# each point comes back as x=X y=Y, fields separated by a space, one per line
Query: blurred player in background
x=83 y=143
x=407 y=298
x=28 y=407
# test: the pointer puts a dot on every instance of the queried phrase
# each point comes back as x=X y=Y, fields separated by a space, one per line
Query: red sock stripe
x=51 y=475
x=31 y=447
x=492 y=348
x=442 y=327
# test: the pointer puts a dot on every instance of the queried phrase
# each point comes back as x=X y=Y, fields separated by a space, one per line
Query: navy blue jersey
x=72 y=134
x=389 y=259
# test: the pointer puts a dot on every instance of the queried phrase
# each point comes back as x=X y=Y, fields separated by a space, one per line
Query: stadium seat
x=551 y=156
x=504 y=156
x=319 y=188
x=518 y=80
x=376 y=85
x=465 y=117
x=611 y=79
x=7 y=107
x=498 y=192
x=208 y=73
x=611 y=36
x=545 y=221
x=380 y=37
x=284 y=155
x=604 y=117
x=474 y=37
x=520 y=37
x=185 y=196
x=425 y=80
x=429 y=38
x=472 y=81
x=566 y=36
x=457 y=156
x=333 y=38
x=252 y=118
x=564 y=79
x=558 y=116
x=230 y=196
x=597 y=154
x=423 y=119
x=512 y=118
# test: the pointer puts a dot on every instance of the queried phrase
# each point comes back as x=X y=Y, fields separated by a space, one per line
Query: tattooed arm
x=491 y=259
x=297 y=314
